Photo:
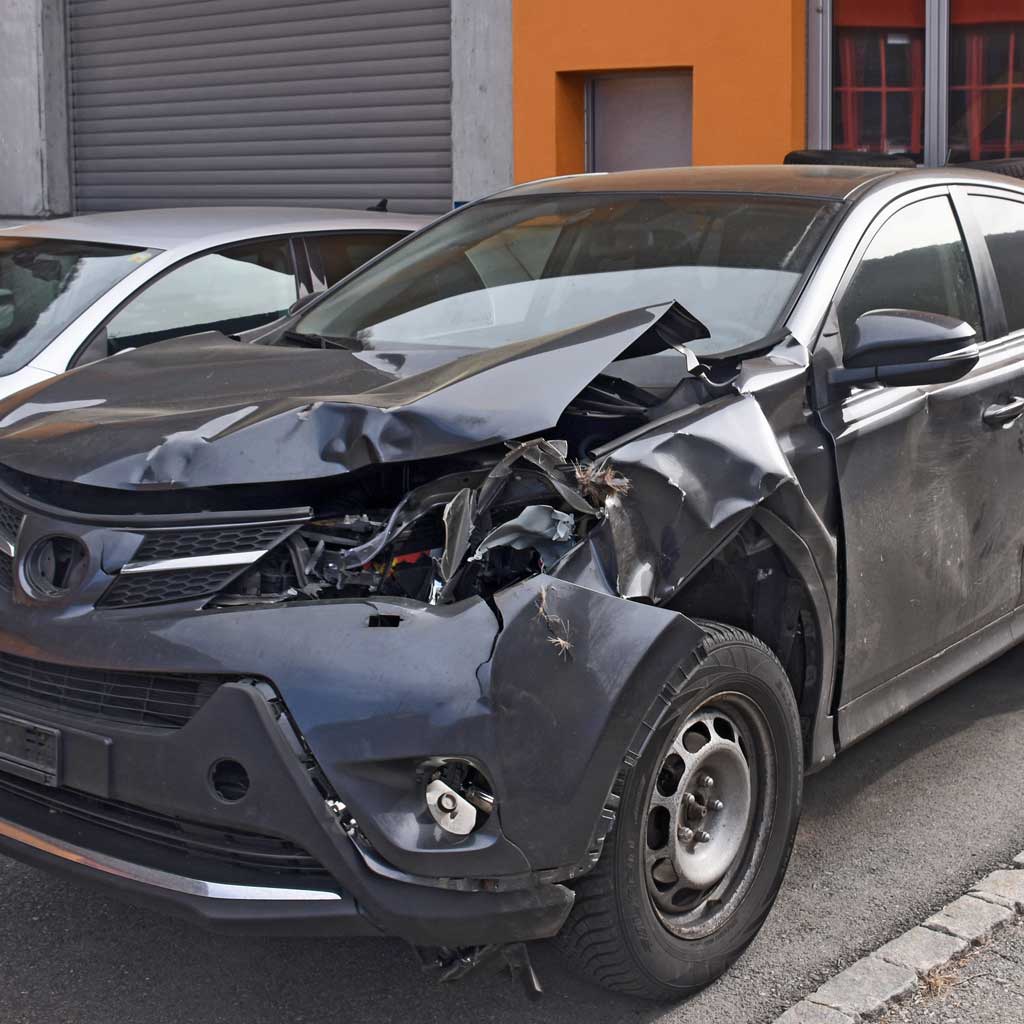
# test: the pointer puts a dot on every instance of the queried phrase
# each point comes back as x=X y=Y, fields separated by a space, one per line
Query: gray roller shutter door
x=249 y=102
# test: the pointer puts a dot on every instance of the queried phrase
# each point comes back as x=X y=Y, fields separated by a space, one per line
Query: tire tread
x=592 y=941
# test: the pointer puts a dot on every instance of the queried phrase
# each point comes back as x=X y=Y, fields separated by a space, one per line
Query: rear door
x=930 y=493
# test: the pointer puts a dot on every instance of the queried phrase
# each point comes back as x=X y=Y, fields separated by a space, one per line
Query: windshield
x=513 y=268
x=47 y=283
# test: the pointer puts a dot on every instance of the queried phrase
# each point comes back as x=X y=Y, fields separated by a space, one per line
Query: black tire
x=616 y=934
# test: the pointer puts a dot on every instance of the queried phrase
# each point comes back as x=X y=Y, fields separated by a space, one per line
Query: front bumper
x=157 y=771
x=364 y=707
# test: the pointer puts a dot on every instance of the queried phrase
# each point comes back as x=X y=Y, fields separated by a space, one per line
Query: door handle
x=1002 y=415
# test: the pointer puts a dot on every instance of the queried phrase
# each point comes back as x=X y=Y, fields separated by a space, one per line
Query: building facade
x=114 y=104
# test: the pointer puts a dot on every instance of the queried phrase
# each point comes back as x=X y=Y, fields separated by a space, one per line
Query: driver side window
x=918 y=260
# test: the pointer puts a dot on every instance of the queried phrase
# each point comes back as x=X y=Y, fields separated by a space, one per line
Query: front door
x=932 y=553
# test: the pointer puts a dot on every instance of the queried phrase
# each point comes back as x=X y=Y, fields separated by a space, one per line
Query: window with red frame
x=878 y=76
x=986 y=88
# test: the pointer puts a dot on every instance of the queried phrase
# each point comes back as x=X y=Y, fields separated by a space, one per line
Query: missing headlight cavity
x=485 y=520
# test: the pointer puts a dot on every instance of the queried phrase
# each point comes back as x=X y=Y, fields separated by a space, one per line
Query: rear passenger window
x=1002 y=220
x=341 y=254
x=918 y=260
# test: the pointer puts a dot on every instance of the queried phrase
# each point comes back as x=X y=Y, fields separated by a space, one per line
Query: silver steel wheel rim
x=707 y=816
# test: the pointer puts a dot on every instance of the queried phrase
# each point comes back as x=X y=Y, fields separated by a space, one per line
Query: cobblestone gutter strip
x=871 y=985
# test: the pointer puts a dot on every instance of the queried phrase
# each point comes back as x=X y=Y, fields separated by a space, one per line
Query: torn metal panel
x=541 y=527
x=212 y=412
x=689 y=481
x=564 y=724
x=459 y=517
x=787 y=361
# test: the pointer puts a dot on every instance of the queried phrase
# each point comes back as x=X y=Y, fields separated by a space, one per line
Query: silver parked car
x=78 y=289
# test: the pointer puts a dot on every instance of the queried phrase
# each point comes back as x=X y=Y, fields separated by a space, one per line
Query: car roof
x=199 y=227
x=812 y=181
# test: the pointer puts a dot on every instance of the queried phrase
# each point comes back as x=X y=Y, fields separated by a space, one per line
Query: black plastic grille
x=144 y=588
x=6 y=571
x=10 y=521
x=144 y=698
x=161 y=544
x=160 y=832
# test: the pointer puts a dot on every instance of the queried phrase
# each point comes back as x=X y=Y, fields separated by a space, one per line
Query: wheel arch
x=764 y=579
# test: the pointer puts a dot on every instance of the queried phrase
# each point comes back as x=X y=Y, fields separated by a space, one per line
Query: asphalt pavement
x=901 y=824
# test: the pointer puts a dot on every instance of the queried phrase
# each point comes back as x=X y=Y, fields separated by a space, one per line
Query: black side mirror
x=904 y=346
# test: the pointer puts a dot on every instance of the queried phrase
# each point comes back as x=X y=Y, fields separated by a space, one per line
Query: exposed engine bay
x=462 y=534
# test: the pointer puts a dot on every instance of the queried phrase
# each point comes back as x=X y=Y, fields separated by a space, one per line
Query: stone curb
x=868 y=987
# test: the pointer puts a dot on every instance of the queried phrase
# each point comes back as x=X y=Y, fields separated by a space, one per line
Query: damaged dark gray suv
x=507 y=590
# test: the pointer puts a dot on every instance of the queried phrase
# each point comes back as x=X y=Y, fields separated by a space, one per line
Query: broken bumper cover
x=370 y=704
x=422 y=917
x=95 y=839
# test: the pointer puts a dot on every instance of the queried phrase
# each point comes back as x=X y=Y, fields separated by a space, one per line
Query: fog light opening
x=458 y=796
x=230 y=780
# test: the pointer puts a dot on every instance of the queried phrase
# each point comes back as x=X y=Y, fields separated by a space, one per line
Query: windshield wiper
x=321 y=341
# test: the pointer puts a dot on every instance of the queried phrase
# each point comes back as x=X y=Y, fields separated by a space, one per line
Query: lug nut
x=689 y=799
x=716 y=805
x=703 y=837
x=707 y=781
x=685 y=834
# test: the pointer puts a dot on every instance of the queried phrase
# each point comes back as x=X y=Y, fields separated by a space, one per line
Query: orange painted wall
x=749 y=61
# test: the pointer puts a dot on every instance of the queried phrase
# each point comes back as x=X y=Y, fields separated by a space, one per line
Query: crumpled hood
x=207 y=411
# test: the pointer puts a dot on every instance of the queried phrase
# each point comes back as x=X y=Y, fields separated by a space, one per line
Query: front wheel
x=704 y=831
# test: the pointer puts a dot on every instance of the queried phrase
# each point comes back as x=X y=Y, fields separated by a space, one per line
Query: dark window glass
x=957 y=59
x=996 y=57
x=899 y=70
x=986 y=81
x=1017 y=121
x=46 y=283
x=341 y=254
x=898 y=117
x=1002 y=220
x=878 y=72
x=917 y=261
x=236 y=289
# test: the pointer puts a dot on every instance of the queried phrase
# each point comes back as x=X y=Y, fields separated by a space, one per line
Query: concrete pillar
x=35 y=170
x=481 y=97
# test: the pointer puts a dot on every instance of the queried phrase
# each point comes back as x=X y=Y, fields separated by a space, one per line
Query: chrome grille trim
x=195 y=562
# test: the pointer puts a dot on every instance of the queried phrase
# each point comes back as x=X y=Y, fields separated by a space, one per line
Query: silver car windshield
x=46 y=283
x=509 y=269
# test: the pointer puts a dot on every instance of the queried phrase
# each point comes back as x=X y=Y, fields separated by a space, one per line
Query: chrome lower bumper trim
x=151 y=876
